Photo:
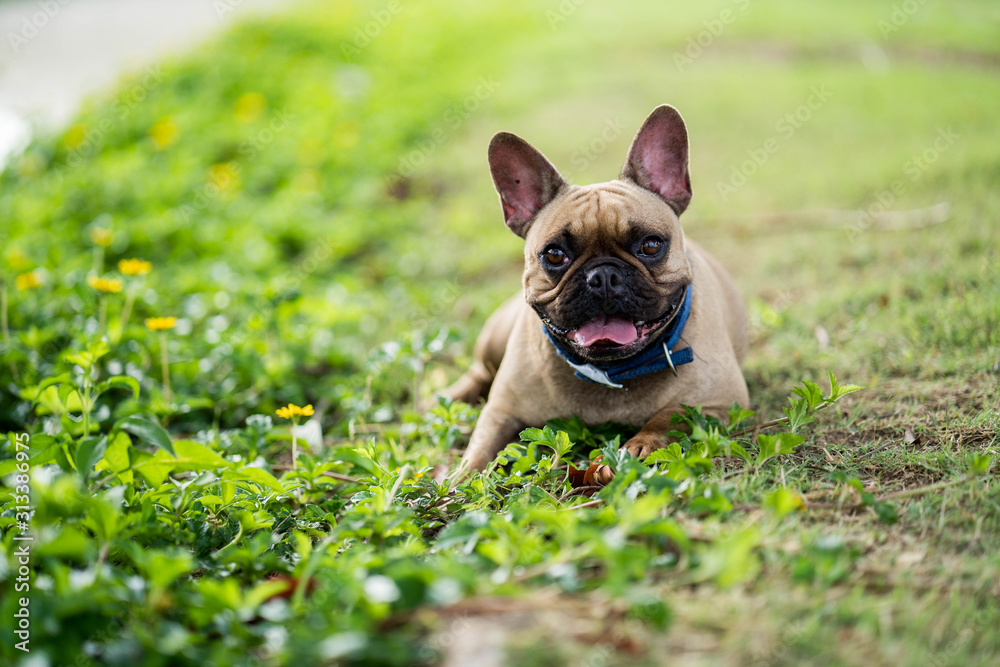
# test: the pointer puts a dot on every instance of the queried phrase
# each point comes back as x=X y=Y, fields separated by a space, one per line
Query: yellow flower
x=160 y=323
x=105 y=284
x=306 y=181
x=29 y=280
x=347 y=134
x=74 y=137
x=225 y=175
x=293 y=411
x=18 y=260
x=249 y=107
x=134 y=267
x=164 y=133
x=101 y=236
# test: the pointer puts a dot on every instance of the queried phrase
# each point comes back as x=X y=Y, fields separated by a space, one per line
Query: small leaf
x=782 y=501
x=798 y=413
x=116 y=457
x=303 y=545
x=49 y=382
x=44 y=449
x=190 y=455
x=811 y=393
x=87 y=358
x=886 y=512
x=104 y=516
x=737 y=415
x=659 y=456
x=532 y=435
x=736 y=449
x=211 y=501
x=262 y=592
x=90 y=451
x=776 y=445
x=262 y=477
x=124 y=381
x=767 y=448
x=978 y=463
x=147 y=431
x=197 y=455
x=856 y=483
x=836 y=390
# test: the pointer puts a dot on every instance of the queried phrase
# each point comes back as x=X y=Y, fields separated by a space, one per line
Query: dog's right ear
x=525 y=179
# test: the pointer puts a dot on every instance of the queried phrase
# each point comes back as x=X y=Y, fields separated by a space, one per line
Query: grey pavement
x=56 y=53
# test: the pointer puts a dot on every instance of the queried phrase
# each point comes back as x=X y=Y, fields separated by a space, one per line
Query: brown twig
x=591 y=503
x=897 y=495
x=937 y=486
x=873 y=451
x=773 y=422
x=758 y=427
x=740 y=471
x=579 y=491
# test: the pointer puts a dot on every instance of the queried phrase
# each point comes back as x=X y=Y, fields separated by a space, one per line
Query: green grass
x=305 y=268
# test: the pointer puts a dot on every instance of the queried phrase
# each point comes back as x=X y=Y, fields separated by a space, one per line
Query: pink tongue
x=613 y=329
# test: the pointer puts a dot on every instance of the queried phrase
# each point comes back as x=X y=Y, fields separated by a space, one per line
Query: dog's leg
x=489 y=352
x=494 y=431
x=653 y=435
x=472 y=386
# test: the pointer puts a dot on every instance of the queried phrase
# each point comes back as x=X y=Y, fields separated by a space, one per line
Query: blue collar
x=657 y=356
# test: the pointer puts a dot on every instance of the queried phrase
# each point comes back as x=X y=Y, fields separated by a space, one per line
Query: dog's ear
x=658 y=158
x=525 y=179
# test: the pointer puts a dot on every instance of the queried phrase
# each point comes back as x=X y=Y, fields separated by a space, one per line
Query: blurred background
x=304 y=187
x=309 y=180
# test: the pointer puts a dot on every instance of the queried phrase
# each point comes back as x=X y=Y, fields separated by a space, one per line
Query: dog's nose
x=605 y=280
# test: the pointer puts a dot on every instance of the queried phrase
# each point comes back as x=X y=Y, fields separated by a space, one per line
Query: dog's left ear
x=658 y=158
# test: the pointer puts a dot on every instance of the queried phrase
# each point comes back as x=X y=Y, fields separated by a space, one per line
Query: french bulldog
x=621 y=318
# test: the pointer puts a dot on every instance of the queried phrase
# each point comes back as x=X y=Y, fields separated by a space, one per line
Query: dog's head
x=605 y=265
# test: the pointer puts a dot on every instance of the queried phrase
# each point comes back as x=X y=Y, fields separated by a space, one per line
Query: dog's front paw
x=642 y=445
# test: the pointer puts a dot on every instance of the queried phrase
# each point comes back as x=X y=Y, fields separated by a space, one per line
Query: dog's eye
x=650 y=247
x=555 y=256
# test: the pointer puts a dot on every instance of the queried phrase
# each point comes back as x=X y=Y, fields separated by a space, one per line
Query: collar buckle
x=670 y=361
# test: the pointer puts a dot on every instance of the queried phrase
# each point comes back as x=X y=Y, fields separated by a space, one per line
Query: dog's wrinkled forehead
x=604 y=214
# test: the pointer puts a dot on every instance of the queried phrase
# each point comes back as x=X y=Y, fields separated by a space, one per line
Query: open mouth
x=615 y=335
